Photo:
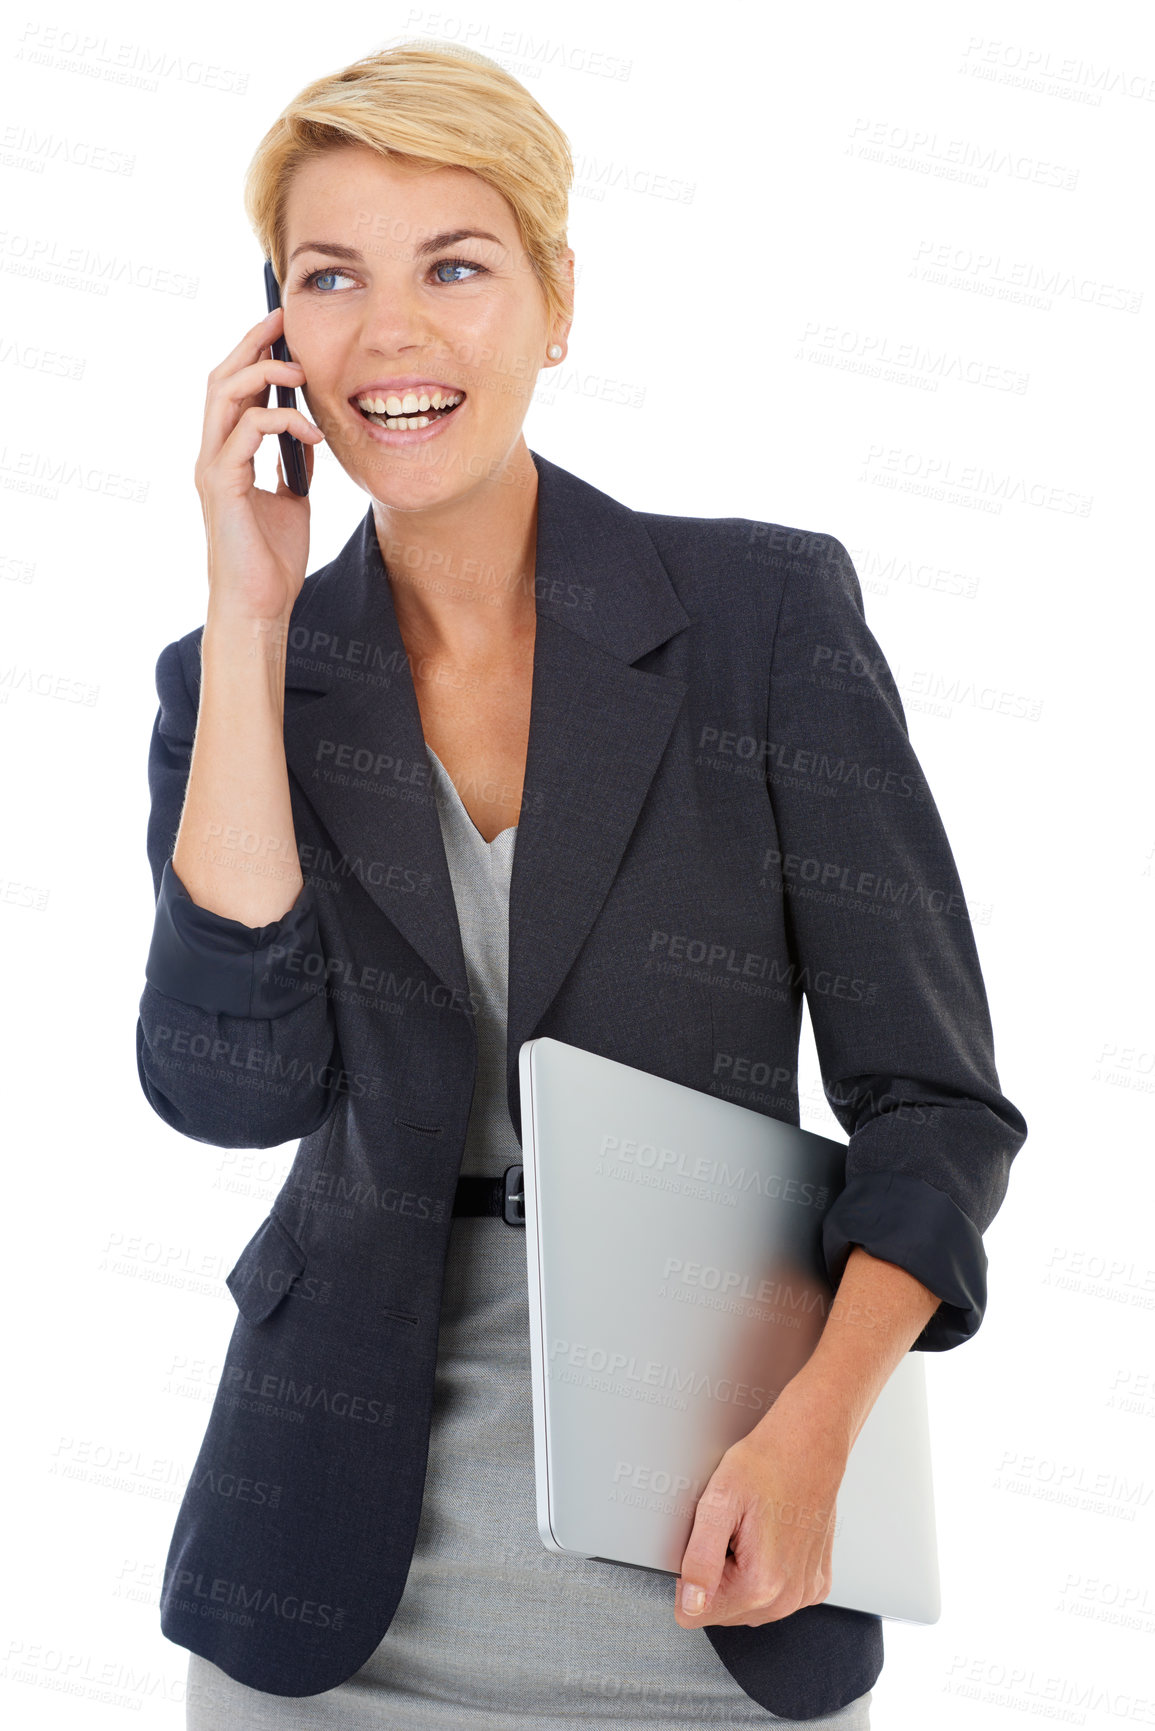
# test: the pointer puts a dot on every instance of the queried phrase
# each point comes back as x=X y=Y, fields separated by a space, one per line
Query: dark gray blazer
x=722 y=811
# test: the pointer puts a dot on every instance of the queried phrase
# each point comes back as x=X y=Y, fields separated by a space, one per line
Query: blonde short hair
x=436 y=106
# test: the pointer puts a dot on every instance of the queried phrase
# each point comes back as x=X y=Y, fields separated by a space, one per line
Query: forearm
x=236 y=851
x=877 y=1313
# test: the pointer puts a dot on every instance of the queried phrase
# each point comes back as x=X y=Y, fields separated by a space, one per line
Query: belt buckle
x=513 y=1197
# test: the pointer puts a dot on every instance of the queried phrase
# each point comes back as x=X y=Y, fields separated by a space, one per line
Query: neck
x=461 y=575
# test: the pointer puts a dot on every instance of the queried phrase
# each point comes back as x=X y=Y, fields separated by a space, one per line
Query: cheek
x=502 y=348
x=508 y=379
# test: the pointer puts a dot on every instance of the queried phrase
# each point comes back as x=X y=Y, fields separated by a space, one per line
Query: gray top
x=492 y=1628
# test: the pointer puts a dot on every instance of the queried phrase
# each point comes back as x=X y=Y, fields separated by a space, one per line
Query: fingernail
x=693 y=1598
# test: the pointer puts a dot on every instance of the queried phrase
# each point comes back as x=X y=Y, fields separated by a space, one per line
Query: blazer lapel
x=598 y=728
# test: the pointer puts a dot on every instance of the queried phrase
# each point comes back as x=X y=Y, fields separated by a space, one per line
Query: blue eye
x=456 y=264
x=314 y=277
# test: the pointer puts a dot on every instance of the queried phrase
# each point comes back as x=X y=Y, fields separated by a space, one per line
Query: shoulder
x=764 y=546
x=707 y=552
x=724 y=560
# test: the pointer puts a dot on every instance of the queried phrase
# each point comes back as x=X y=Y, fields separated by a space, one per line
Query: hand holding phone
x=258 y=538
x=292 y=450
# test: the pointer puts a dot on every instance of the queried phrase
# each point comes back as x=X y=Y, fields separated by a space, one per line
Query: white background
x=916 y=240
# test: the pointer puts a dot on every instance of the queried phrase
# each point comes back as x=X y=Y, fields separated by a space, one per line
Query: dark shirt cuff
x=904 y=1220
x=228 y=968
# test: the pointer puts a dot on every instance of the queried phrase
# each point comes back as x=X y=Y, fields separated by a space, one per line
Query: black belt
x=502 y=1197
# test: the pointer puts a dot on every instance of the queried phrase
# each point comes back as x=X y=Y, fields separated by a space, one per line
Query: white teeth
x=414 y=402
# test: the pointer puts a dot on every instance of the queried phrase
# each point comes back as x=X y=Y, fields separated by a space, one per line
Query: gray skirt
x=492 y=1627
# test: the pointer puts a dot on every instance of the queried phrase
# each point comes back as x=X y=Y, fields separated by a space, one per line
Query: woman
x=537 y=754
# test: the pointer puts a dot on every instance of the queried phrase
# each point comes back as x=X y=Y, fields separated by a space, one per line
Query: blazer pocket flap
x=265 y=1270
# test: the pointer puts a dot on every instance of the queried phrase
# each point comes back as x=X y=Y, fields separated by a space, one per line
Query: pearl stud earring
x=554 y=351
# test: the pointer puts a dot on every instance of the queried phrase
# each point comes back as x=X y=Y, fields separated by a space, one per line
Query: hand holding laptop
x=771 y=1500
x=676 y=1289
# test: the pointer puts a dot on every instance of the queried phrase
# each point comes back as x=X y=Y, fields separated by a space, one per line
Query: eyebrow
x=434 y=244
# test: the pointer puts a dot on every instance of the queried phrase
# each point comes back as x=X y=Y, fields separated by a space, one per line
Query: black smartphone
x=292 y=450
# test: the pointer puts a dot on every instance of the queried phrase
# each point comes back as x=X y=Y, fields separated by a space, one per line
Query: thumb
x=704 y=1558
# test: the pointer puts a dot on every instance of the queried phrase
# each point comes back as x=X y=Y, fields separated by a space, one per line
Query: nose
x=396 y=319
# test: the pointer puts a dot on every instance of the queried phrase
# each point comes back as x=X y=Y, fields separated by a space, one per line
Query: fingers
x=230 y=394
x=231 y=469
x=704 y=1558
x=242 y=381
x=252 y=344
x=756 y=1561
x=309 y=458
x=308 y=455
x=760 y=1589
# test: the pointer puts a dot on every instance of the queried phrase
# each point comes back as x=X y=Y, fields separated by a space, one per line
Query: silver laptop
x=676 y=1284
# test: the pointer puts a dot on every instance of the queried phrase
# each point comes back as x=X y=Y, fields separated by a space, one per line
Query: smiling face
x=401 y=282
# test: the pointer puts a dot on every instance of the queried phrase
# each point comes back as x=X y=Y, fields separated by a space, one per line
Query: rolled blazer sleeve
x=236 y=1042
x=882 y=939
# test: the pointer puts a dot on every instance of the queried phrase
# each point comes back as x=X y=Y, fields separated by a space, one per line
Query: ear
x=560 y=332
